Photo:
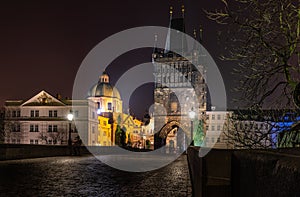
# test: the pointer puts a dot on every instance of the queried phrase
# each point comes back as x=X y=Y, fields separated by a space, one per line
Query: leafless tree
x=257 y=128
x=43 y=136
x=11 y=130
x=58 y=136
x=262 y=36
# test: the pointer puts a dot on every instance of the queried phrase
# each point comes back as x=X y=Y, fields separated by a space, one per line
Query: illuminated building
x=110 y=114
x=104 y=129
x=183 y=74
x=42 y=119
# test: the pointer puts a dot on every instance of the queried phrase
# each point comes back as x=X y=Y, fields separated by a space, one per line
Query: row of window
x=53 y=113
x=214 y=128
x=213 y=117
x=13 y=141
x=36 y=113
x=172 y=68
x=109 y=106
x=16 y=113
x=34 y=141
x=52 y=128
x=50 y=141
x=35 y=128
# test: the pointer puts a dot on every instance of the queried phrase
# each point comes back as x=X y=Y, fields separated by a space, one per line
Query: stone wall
x=266 y=173
x=246 y=173
x=210 y=175
x=24 y=151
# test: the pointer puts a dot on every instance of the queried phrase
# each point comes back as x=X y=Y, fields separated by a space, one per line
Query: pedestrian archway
x=171 y=130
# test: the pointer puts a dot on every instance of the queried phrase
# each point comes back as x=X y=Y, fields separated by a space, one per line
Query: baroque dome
x=104 y=89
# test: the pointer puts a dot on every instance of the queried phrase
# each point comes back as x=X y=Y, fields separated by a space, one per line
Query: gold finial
x=171 y=10
x=195 y=34
x=201 y=33
x=182 y=9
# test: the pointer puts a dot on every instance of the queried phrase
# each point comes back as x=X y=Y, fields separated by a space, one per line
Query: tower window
x=174 y=107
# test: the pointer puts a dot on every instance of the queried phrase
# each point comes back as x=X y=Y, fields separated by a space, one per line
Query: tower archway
x=171 y=135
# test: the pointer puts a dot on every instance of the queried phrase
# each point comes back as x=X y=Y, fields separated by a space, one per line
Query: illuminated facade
x=104 y=129
x=177 y=79
x=110 y=115
x=43 y=120
x=217 y=127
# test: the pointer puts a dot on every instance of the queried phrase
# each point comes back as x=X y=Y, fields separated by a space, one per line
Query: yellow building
x=110 y=114
x=104 y=128
x=132 y=127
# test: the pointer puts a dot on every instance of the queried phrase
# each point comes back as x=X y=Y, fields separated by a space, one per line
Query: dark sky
x=42 y=43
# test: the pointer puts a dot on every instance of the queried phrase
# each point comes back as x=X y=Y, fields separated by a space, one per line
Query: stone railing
x=245 y=172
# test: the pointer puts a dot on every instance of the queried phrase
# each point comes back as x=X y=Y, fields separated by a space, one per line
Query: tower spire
x=201 y=35
x=176 y=41
x=171 y=11
x=168 y=44
x=195 y=48
x=195 y=34
x=155 y=50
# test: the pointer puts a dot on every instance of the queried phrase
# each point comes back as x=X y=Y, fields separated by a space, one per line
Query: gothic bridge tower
x=177 y=79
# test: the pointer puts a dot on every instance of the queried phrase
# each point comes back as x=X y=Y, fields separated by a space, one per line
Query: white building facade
x=217 y=129
x=43 y=120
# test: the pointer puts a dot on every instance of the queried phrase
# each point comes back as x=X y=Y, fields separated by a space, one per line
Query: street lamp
x=192 y=115
x=70 y=118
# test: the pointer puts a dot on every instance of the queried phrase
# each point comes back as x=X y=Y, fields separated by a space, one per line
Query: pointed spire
x=176 y=41
x=195 y=48
x=167 y=45
x=195 y=34
x=201 y=35
x=171 y=11
x=155 y=49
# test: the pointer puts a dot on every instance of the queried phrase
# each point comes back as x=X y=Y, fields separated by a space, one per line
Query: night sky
x=42 y=43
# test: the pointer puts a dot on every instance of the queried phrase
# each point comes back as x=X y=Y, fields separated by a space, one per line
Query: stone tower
x=178 y=79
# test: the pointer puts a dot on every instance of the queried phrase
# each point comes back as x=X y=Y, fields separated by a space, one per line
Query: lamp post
x=192 y=115
x=70 y=118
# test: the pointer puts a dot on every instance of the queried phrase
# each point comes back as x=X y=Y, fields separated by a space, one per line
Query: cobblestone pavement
x=86 y=176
